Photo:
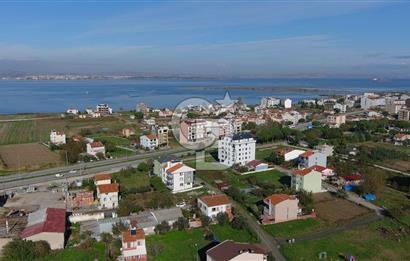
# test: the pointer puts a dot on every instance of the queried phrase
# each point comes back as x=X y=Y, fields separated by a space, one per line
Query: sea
x=19 y=96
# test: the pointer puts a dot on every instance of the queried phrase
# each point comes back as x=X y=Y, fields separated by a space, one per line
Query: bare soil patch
x=332 y=209
x=27 y=156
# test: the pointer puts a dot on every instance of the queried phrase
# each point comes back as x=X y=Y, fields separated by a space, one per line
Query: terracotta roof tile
x=277 y=198
x=307 y=154
x=128 y=237
x=215 y=200
x=175 y=167
x=302 y=172
x=55 y=222
x=108 y=188
x=102 y=177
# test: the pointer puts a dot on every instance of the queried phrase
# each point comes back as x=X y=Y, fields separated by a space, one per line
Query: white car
x=73 y=171
x=58 y=175
x=180 y=204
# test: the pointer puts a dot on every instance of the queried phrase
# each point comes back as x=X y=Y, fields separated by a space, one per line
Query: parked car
x=59 y=175
x=73 y=171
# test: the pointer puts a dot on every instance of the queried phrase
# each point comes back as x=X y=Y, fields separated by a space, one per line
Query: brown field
x=403 y=165
x=332 y=209
x=27 y=156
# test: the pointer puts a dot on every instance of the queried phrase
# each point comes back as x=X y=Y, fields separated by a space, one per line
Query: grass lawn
x=271 y=176
x=97 y=252
x=294 y=228
x=185 y=244
x=118 y=152
x=391 y=198
x=112 y=139
x=365 y=243
x=133 y=180
x=261 y=154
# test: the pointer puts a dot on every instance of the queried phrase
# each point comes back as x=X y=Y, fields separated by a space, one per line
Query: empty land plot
x=28 y=156
x=333 y=210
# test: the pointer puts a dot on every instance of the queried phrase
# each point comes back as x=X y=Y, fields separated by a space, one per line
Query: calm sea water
x=57 y=96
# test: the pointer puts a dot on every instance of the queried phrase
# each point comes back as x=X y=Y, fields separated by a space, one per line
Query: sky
x=242 y=38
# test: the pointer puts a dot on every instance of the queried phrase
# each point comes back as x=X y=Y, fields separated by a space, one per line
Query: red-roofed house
x=102 y=179
x=179 y=177
x=230 y=250
x=47 y=224
x=95 y=147
x=311 y=158
x=280 y=208
x=133 y=245
x=107 y=195
x=307 y=179
x=326 y=172
x=211 y=205
x=149 y=141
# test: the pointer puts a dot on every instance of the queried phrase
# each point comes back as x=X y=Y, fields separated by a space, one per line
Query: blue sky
x=222 y=38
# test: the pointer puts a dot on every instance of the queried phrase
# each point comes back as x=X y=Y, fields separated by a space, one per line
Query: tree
x=222 y=218
x=107 y=239
x=275 y=158
x=127 y=205
x=181 y=224
x=205 y=220
x=42 y=248
x=306 y=200
x=155 y=248
x=20 y=250
x=238 y=222
x=373 y=182
x=143 y=167
x=139 y=115
x=118 y=228
x=72 y=151
x=100 y=155
x=162 y=228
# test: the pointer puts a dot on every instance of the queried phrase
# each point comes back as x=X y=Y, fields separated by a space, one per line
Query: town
x=318 y=179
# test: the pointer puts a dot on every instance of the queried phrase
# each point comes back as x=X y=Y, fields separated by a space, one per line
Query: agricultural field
x=96 y=252
x=28 y=156
x=295 y=228
x=381 y=240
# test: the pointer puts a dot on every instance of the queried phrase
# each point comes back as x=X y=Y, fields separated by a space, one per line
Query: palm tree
x=107 y=239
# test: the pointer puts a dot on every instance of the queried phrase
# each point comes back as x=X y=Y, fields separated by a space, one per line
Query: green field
x=365 y=243
x=112 y=139
x=97 y=252
x=271 y=176
x=134 y=180
x=185 y=244
x=294 y=228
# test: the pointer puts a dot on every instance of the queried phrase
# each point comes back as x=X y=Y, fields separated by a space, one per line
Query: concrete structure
x=73 y=111
x=107 y=192
x=162 y=135
x=256 y=165
x=133 y=245
x=103 y=109
x=341 y=107
x=162 y=163
x=57 y=137
x=47 y=224
x=95 y=147
x=371 y=100
x=229 y=250
x=336 y=120
x=286 y=103
x=127 y=132
x=193 y=131
x=236 y=149
x=307 y=179
x=311 y=158
x=212 y=205
x=325 y=149
x=80 y=199
x=228 y=127
x=280 y=208
x=403 y=114
x=149 y=141
x=269 y=102
x=393 y=106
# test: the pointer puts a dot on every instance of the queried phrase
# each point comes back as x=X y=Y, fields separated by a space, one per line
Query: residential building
x=103 y=109
x=280 y=208
x=236 y=149
x=310 y=158
x=107 y=195
x=127 y=132
x=399 y=138
x=336 y=120
x=229 y=250
x=325 y=149
x=57 y=137
x=393 y=106
x=371 y=100
x=178 y=177
x=306 y=179
x=341 y=107
x=326 y=172
x=162 y=163
x=193 y=131
x=228 y=127
x=142 y=107
x=102 y=179
x=286 y=103
x=89 y=110
x=133 y=245
x=256 y=165
x=80 y=199
x=149 y=141
x=212 y=205
x=403 y=114
x=162 y=135
x=47 y=224
x=95 y=147
x=289 y=153
x=73 y=111
x=165 y=113
x=269 y=102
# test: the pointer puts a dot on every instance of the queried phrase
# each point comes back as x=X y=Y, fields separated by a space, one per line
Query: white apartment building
x=228 y=127
x=212 y=205
x=370 y=100
x=149 y=141
x=107 y=195
x=341 y=107
x=178 y=177
x=236 y=149
x=57 y=137
x=336 y=120
x=286 y=103
x=72 y=111
x=393 y=106
x=162 y=135
x=269 y=102
x=93 y=148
